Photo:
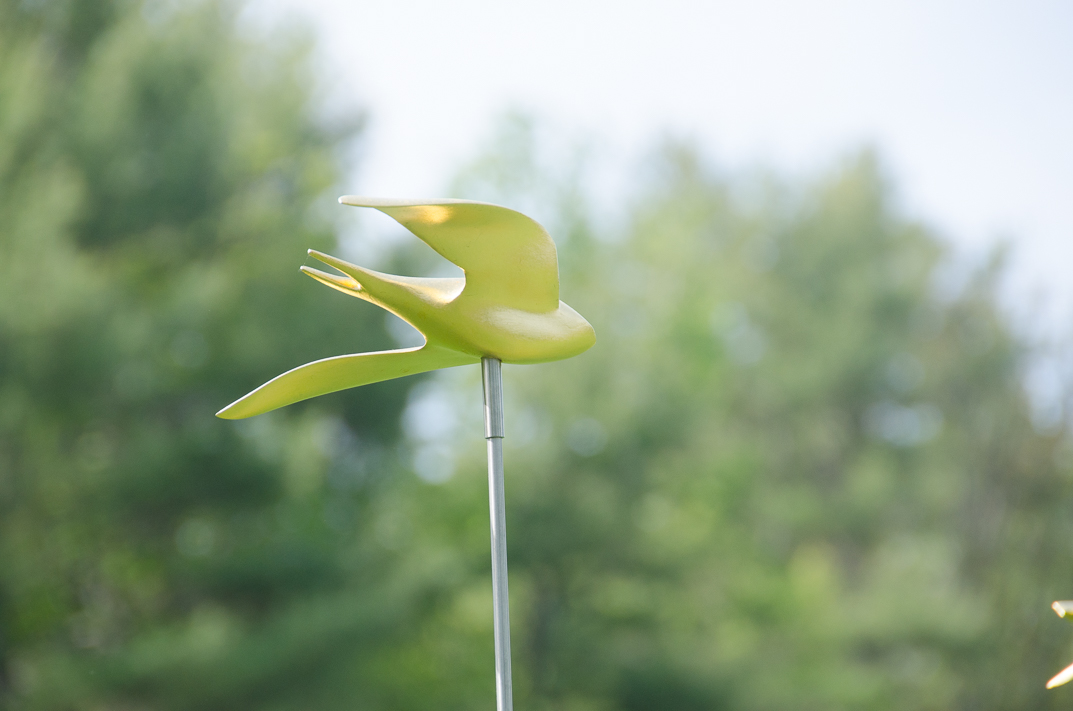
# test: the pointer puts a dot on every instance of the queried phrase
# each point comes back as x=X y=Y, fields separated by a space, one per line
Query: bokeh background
x=819 y=458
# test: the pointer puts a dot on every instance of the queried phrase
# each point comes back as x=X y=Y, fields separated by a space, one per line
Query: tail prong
x=347 y=268
x=345 y=284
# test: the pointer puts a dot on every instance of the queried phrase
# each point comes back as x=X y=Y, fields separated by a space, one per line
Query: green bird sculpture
x=506 y=307
x=1064 y=609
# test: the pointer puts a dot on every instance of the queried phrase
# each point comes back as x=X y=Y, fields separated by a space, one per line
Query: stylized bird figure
x=507 y=307
x=1064 y=608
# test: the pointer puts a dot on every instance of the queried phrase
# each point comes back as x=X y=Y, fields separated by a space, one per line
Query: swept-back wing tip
x=361 y=201
x=246 y=407
x=365 y=201
x=228 y=413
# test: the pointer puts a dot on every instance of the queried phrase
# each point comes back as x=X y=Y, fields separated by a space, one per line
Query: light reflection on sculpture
x=507 y=307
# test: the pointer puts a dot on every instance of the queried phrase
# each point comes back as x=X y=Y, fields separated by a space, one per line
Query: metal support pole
x=493 y=433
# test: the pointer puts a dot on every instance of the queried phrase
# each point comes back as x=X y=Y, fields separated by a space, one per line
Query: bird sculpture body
x=506 y=307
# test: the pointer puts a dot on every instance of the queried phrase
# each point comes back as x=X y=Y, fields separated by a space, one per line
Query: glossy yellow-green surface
x=506 y=307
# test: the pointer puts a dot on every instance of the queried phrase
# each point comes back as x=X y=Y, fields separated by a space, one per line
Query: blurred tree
x=159 y=179
x=791 y=474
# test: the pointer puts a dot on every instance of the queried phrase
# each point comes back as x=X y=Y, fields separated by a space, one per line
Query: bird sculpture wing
x=508 y=258
x=341 y=372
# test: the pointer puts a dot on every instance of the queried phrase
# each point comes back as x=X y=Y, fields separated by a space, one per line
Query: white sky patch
x=968 y=102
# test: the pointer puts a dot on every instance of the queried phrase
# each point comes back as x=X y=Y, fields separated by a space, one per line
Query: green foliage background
x=792 y=474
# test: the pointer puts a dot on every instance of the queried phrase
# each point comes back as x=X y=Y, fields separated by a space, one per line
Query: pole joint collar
x=492 y=373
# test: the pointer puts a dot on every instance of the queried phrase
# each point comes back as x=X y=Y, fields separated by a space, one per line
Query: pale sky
x=969 y=103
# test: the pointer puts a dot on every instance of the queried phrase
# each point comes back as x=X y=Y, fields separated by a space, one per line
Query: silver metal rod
x=493 y=433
